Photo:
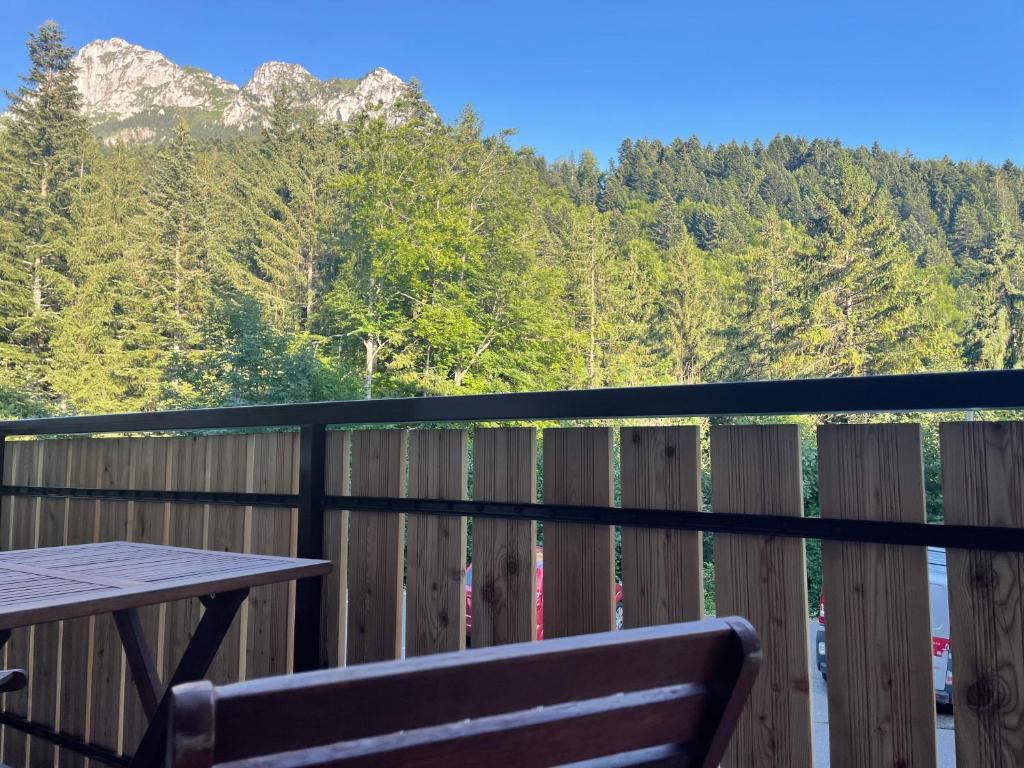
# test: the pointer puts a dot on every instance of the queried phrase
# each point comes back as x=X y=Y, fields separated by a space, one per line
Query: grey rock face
x=134 y=94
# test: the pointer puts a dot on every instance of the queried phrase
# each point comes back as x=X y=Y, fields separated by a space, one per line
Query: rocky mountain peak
x=132 y=93
x=272 y=76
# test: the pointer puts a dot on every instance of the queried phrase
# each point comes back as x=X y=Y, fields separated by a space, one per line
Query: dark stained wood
x=983 y=484
x=600 y=696
x=504 y=551
x=140 y=659
x=195 y=661
x=12 y=680
x=19 y=522
x=83 y=580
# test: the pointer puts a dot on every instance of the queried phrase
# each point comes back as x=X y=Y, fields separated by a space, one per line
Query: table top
x=56 y=583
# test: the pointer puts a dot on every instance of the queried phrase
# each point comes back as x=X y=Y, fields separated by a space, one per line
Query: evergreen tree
x=763 y=337
x=873 y=309
x=691 y=315
x=42 y=167
x=995 y=337
x=182 y=267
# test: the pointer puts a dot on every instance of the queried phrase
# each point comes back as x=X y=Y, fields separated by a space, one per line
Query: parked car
x=540 y=599
x=942 y=656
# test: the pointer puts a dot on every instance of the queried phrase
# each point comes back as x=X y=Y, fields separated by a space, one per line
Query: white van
x=942 y=659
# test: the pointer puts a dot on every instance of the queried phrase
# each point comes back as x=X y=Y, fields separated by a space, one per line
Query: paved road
x=819 y=717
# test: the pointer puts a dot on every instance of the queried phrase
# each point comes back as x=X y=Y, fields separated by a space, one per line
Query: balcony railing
x=281 y=482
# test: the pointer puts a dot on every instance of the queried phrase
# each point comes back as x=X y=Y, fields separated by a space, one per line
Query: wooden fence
x=880 y=692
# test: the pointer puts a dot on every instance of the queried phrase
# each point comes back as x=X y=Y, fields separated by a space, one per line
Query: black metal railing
x=967 y=391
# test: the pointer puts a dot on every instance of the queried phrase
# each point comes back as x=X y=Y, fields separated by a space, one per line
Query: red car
x=540 y=599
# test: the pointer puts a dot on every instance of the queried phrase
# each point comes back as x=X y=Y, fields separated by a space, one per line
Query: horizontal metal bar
x=225 y=498
x=863 y=531
x=868 y=531
x=970 y=390
x=63 y=740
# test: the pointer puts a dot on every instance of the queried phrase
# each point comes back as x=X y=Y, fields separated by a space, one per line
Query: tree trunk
x=372 y=348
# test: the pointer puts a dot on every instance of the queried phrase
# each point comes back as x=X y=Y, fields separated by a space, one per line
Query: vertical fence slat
x=504 y=551
x=983 y=484
x=881 y=700
x=436 y=604
x=227 y=471
x=7 y=449
x=107 y=656
x=273 y=533
x=579 y=565
x=662 y=570
x=21 y=534
x=375 y=548
x=186 y=528
x=335 y=585
x=77 y=638
x=149 y=464
x=757 y=470
x=51 y=469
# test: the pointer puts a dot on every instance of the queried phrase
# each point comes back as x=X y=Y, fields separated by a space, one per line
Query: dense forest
x=402 y=255
x=396 y=257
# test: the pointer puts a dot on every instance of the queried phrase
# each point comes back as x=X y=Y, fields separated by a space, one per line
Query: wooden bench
x=669 y=694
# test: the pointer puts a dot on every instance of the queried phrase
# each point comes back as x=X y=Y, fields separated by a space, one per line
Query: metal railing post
x=3 y=481
x=312 y=461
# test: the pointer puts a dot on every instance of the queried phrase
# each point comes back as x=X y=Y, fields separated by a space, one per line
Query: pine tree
x=995 y=337
x=42 y=166
x=692 y=317
x=182 y=269
x=873 y=310
x=763 y=337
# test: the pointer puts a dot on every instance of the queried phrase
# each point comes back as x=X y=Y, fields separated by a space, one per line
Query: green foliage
x=401 y=255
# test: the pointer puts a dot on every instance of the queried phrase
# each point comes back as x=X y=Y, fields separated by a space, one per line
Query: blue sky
x=932 y=76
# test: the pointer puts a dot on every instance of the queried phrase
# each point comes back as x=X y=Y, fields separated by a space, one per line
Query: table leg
x=195 y=661
x=140 y=660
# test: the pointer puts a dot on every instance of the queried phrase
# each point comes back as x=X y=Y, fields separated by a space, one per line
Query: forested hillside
x=314 y=260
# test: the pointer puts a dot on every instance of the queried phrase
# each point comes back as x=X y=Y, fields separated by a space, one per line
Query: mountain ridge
x=134 y=94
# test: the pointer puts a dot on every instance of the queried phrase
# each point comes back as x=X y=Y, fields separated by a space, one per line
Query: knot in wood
x=988 y=692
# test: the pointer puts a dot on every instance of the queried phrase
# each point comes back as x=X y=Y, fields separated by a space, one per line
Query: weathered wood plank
x=757 y=470
x=20 y=533
x=983 y=484
x=52 y=468
x=77 y=638
x=375 y=548
x=108 y=669
x=436 y=603
x=662 y=570
x=881 y=702
x=335 y=586
x=186 y=528
x=227 y=470
x=149 y=525
x=579 y=567
x=504 y=551
x=273 y=532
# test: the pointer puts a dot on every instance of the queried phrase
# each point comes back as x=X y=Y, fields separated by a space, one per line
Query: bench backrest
x=672 y=693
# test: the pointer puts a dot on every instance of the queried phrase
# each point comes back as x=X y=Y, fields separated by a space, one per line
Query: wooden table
x=59 y=583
